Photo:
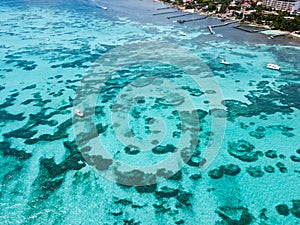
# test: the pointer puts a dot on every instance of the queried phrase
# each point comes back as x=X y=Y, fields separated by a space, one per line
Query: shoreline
x=287 y=34
x=294 y=36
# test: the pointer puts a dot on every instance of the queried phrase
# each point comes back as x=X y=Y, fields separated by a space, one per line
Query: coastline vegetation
x=253 y=13
x=280 y=20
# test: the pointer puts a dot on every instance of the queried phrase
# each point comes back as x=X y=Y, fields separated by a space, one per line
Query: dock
x=244 y=29
x=190 y=20
x=210 y=28
x=162 y=13
x=279 y=35
x=223 y=24
x=239 y=27
x=181 y=15
x=162 y=8
x=261 y=30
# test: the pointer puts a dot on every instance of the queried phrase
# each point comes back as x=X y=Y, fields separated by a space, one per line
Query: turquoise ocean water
x=146 y=109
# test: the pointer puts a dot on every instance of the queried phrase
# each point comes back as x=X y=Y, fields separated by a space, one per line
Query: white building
x=284 y=5
x=296 y=6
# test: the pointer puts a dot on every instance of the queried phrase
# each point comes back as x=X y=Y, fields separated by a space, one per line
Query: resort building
x=296 y=6
x=284 y=5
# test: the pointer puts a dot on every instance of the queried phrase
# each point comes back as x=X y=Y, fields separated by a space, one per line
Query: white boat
x=273 y=66
x=102 y=7
x=182 y=33
x=78 y=113
x=225 y=62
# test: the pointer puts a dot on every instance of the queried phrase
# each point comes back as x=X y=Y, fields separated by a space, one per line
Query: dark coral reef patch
x=134 y=177
x=235 y=215
x=8 y=151
x=230 y=170
x=283 y=209
x=265 y=101
x=51 y=174
x=164 y=149
x=255 y=171
x=295 y=210
x=243 y=151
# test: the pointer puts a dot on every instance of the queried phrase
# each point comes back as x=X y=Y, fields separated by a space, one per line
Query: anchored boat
x=78 y=112
x=225 y=62
x=273 y=66
x=102 y=7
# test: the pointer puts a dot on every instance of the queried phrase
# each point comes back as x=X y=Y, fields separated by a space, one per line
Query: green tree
x=211 y=7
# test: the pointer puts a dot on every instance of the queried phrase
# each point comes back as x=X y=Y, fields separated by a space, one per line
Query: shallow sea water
x=143 y=112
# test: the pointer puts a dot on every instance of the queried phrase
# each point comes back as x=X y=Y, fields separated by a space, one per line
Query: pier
x=248 y=30
x=186 y=14
x=279 y=35
x=223 y=24
x=190 y=20
x=168 y=7
x=270 y=35
x=244 y=29
x=210 y=28
x=162 y=13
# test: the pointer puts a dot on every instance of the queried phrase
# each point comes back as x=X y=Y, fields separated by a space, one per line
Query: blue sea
x=112 y=115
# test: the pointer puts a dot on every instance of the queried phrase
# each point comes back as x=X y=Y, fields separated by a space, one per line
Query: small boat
x=182 y=33
x=273 y=66
x=225 y=62
x=78 y=113
x=102 y=7
x=180 y=21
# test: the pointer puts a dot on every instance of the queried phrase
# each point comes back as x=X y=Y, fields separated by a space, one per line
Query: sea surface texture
x=118 y=116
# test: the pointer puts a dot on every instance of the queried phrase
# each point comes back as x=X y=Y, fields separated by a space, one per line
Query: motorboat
x=225 y=62
x=78 y=112
x=273 y=66
x=102 y=7
x=182 y=33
